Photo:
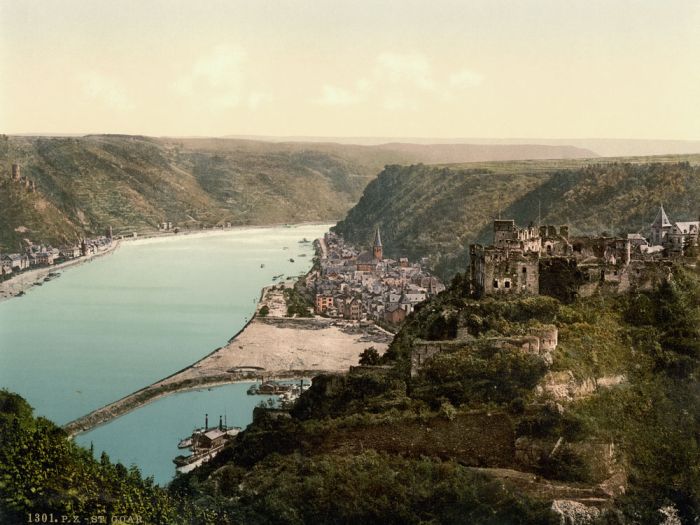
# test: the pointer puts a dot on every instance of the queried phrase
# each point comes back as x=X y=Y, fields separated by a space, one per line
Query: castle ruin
x=546 y=260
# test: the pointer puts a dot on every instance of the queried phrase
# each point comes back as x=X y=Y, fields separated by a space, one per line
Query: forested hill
x=84 y=184
x=439 y=210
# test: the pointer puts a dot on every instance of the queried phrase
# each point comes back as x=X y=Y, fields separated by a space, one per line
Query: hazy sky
x=438 y=68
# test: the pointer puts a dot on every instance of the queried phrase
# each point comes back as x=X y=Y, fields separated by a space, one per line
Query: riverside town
x=350 y=262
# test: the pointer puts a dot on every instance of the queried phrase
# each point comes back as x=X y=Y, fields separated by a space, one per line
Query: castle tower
x=660 y=228
x=16 y=172
x=377 y=249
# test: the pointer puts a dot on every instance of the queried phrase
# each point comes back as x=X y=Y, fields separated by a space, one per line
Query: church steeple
x=377 y=248
x=660 y=227
x=661 y=220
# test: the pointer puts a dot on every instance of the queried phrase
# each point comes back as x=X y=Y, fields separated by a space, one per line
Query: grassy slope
x=440 y=210
x=85 y=184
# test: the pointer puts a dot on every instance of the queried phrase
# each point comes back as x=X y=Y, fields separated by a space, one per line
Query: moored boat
x=205 y=443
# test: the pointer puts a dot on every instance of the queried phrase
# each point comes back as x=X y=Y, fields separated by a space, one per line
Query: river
x=120 y=322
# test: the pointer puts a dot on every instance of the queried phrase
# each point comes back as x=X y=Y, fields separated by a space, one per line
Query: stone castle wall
x=540 y=341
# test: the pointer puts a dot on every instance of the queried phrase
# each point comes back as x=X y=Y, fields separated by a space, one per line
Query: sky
x=361 y=68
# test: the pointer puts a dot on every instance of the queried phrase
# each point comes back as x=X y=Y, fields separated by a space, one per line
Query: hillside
x=84 y=184
x=603 y=431
x=439 y=210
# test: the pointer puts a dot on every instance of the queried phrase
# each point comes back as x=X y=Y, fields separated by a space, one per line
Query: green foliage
x=264 y=311
x=368 y=488
x=474 y=376
x=447 y=411
x=370 y=356
x=298 y=304
x=42 y=471
x=546 y=421
x=566 y=466
x=85 y=184
x=440 y=210
x=338 y=395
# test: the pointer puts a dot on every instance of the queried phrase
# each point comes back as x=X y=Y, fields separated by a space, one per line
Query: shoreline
x=22 y=282
x=154 y=392
x=15 y=285
x=280 y=347
x=212 y=231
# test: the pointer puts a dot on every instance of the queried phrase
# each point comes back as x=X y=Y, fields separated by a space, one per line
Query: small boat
x=291 y=260
x=185 y=443
x=262 y=265
x=269 y=388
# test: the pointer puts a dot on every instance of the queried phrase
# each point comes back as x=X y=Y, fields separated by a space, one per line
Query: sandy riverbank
x=25 y=280
x=276 y=346
x=279 y=345
x=218 y=231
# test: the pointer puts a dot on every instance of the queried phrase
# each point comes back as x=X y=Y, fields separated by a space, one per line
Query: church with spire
x=674 y=237
x=377 y=246
x=368 y=261
x=660 y=228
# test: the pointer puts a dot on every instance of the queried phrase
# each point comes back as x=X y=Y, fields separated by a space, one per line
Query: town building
x=365 y=285
x=17 y=262
x=323 y=302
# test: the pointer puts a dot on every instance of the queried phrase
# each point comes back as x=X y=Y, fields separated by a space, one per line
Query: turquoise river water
x=123 y=321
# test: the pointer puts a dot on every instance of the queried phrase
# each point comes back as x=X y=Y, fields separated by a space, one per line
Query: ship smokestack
x=221 y=424
x=206 y=422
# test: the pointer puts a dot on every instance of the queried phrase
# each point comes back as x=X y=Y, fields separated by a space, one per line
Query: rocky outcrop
x=563 y=386
x=575 y=513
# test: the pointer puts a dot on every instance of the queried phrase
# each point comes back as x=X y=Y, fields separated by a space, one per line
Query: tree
x=370 y=356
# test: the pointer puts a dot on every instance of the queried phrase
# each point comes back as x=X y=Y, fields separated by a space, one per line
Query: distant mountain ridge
x=439 y=210
x=604 y=147
x=132 y=183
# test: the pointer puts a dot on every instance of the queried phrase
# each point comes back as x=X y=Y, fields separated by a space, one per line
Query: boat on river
x=268 y=388
x=204 y=443
x=286 y=391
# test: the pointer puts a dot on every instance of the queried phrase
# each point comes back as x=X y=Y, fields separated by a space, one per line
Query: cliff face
x=440 y=210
